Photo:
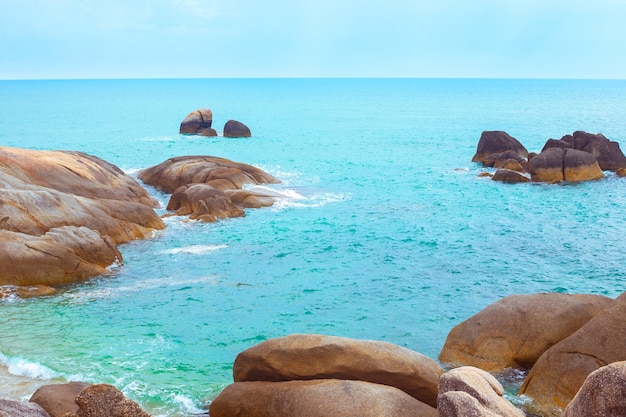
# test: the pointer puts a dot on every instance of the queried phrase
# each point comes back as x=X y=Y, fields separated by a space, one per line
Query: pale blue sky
x=312 y=38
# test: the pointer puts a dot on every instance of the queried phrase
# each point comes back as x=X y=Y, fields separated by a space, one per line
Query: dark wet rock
x=496 y=142
x=316 y=398
x=607 y=153
x=507 y=156
x=235 y=129
x=197 y=122
x=509 y=176
x=560 y=164
x=554 y=143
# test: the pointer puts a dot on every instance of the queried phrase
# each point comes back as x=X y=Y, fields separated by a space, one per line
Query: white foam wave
x=313 y=201
x=275 y=192
x=194 y=249
x=148 y=284
x=22 y=367
x=187 y=405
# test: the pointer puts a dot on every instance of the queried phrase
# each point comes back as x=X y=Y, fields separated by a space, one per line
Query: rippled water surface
x=387 y=232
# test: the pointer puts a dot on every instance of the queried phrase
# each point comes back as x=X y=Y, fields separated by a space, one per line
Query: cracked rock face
x=198 y=122
x=63 y=213
x=560 y=372
x=562 y=164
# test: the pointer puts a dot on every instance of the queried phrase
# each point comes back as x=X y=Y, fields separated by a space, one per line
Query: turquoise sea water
x=387 y=233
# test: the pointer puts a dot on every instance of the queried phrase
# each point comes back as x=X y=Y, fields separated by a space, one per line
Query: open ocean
x=388 y=233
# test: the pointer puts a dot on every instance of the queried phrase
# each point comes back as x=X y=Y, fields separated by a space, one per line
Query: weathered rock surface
x=58 y=399
x=561 y=164
x=105 y=400
x=198 y=122
x=509 y=176
x=516 y=330
x=12 y=408
x=472 y=392
x=304 y=357
x=559 y=373
x=316 y=398
x=235 y=129
x=496 y=142
x=607 y=153
x=49 y=198
x=208 y=188
x=220 y=173
x=203 y=202
x=562 y=143
x=602 y=394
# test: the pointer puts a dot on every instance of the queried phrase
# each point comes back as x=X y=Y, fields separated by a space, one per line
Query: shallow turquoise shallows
x=386 y=231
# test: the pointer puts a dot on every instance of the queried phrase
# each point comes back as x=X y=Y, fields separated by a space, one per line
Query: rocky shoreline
x=66 y=212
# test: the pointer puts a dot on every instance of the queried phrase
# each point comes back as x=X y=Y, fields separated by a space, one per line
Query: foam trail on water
x=194 y=249
x=21 y=367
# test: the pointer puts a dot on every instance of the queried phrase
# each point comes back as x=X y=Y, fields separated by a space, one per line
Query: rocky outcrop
x=607 y=153
x=316 y=398
x=235 y=129
x=105 y=400
x=517 y=330
x=203 y=202
x=208 y=188
x=219 y=173
x=13 y=408
x=509 y=176
x=63 y=213
x=58 y=399
x=495 y=143
x=561 y=164
x=602 y=394
x=198 y=122
x=559 y=373
x=562 y=143
x=305 y=357
x=472 y=392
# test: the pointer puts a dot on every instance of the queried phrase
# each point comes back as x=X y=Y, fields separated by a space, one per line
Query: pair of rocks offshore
x=199 y=122
x=578 y=157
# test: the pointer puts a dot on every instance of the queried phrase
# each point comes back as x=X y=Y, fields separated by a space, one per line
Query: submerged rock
x=316 y=398
x=510 y=176
x=306 y=356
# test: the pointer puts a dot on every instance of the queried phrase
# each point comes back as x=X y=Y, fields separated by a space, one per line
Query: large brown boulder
x=560 y=164
x=607 y=153
x=602 y=394
x=203 y=202
x=472 y=392
x=516 y=330
x=61 y=256
x=554 y=143
x=43 y=193
x=58 y=399
x=560 y=372
x=220 y=173
x=198 y=122
x=235 y=129
x=316 y=398
x=105 y=400
x=302 y=356
x=496 y=142
x=13 y=408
